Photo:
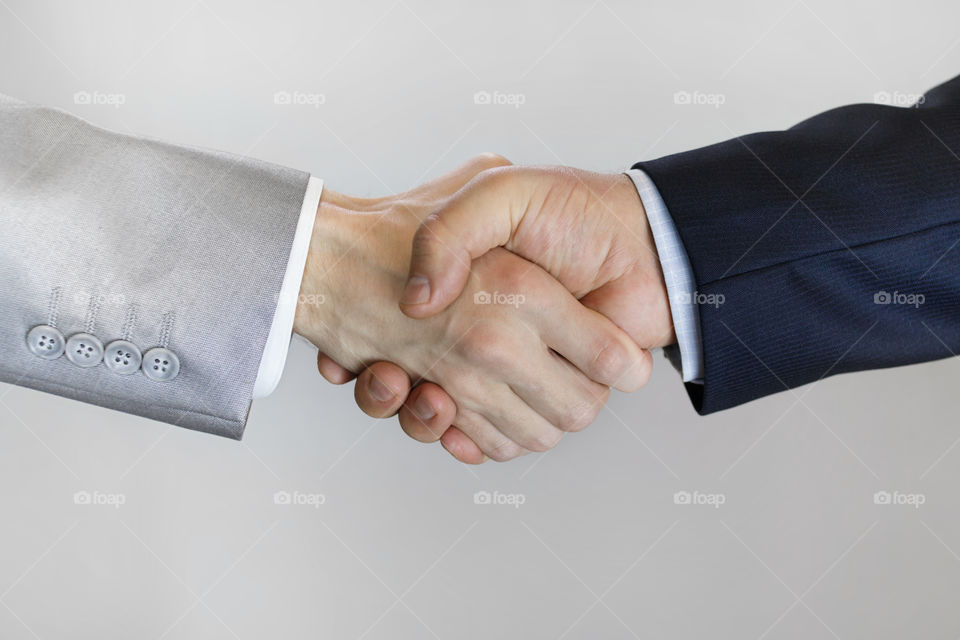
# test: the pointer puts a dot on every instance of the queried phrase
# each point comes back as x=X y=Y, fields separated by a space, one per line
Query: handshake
x=492 y=308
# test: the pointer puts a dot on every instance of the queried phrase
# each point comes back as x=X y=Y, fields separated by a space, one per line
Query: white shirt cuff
x=678 y=275
x=278 y=341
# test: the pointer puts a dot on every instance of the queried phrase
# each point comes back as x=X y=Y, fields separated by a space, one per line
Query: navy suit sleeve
x=827 y=248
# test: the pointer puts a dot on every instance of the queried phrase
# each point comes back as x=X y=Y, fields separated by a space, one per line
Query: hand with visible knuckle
x=486 y=341
x=474 y=345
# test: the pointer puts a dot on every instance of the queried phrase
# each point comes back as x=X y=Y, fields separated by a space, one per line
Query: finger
x=518 y=422
x=560 y=392
x=460 y=446
x=427 y=413
x=452 y=181
x=491 y=441
x=592 y=342
x=381 y=389
x=480 y=217
x=331 y=371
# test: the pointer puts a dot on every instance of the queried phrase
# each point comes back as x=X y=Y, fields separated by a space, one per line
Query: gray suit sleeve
x=126 y=238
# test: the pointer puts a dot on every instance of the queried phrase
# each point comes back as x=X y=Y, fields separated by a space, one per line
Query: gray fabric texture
x=144 y=240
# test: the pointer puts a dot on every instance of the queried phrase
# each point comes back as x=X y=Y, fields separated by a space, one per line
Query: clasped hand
x=525 y=294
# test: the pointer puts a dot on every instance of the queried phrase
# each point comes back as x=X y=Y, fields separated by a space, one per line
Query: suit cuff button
x=160 y=364
x=45 y=342
x=122 y=357
x=84 y=350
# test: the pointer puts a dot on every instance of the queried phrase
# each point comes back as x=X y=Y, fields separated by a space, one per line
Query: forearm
x=796 y=231
x=149 y=242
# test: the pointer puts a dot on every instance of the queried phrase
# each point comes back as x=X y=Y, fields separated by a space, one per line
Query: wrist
x=314 y=302
x=655 y=286
x=354 y=272
x=626 y=201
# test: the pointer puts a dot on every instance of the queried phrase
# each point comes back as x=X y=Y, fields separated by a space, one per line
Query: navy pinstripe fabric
x=833 y=245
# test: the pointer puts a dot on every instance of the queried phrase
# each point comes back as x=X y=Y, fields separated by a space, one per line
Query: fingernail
x=422 y=409
x=485 y=458
x=379 y=391
x=416 y=291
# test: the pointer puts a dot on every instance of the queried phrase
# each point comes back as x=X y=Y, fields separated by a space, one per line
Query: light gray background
x=399 y=549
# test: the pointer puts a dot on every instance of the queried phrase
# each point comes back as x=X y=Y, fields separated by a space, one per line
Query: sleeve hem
x=278 y=341
x=678 y=275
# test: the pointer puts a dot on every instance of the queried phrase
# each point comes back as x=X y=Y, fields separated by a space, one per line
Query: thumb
x=481 y=216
